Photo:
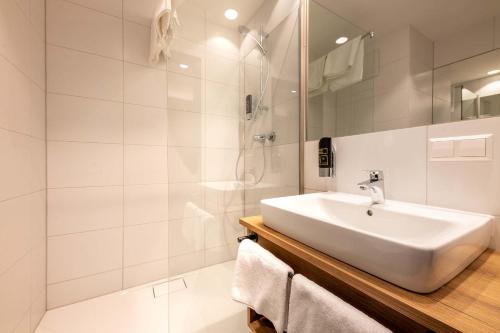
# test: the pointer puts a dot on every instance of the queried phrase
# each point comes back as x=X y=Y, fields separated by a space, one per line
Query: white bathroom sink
x=416 y=247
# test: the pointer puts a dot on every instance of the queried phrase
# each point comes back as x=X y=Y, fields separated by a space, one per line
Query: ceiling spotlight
x=231 y=14
x=183 y=66
x=341 y=40
x=294 y=91
x=494 y=71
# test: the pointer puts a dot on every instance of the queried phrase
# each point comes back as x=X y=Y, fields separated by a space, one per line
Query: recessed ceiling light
x=494 y=71
x=183 y=66
x=231 y=14
x=341 y=40
x=294 y=91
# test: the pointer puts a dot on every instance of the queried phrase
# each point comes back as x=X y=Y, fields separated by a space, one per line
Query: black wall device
x=248 y=107
x=326 y=157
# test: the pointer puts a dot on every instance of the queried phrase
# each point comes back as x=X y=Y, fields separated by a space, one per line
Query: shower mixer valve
x=271 y=137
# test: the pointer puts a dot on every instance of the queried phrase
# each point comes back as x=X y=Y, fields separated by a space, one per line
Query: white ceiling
x=215 y=10
x=436 y=19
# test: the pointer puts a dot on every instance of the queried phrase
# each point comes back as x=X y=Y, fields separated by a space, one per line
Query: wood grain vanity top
x=468 y=303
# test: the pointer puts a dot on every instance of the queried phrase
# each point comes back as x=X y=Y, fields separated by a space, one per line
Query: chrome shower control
x=263 y=137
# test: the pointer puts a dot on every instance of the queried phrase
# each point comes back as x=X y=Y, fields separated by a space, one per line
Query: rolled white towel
x=163 y=28
x=261 y=281
x=314 y=309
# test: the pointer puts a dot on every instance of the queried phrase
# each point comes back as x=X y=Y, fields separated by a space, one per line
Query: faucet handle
x=375 y=175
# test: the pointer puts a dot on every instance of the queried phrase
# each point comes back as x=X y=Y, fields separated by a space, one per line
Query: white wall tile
x=143 y=273
x=93 y=76
x=223 y=229
x=145 y=125
x=223 y=70
x=72 y=118
x=185 y=200
x=145 y=164
x=193 y=23
x=16 y=168
x=222 y=99
x=146 y=203
x=184 y=164
x=187 y=53
x=145 y=86
x=83 y=254
x=15 y=107
x=37 y=57
x=38 y=112
x=178 y=124
x=186 y=263
x=222 y=40
x=111 y=7
x=68 y=292
x=83 y=209
x=145 y=243
x=14 y=295
x=37 y=16
x=220 y=164
x=141 y=12
x=185 y=93
x=13 y=23
x=137 y=44
x=398 y=153
x=186 y=235
x=96 y=32
x=73 y=164
x=15 y=231
x=466 y=185
x=222 y=132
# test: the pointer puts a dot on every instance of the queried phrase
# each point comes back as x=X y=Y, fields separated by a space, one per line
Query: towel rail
x=252 y=236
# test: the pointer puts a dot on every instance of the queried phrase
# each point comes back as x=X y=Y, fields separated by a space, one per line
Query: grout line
x=83 y=232
x=83 y=277
x=54 y=45
x=123 y=150
x=4 y=57
x=94 y=9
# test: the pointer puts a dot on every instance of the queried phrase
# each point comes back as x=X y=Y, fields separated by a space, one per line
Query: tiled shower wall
x=22 y=166
x=135 y=150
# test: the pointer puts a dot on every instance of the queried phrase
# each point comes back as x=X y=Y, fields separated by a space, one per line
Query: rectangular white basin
x=416 y=247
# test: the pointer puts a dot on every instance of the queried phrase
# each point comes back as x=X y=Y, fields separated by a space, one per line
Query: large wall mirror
x=391 y=64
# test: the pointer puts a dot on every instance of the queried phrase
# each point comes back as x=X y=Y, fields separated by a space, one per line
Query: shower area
x=150 y=166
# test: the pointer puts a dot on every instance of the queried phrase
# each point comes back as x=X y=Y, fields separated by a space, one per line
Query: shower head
x=245 y=31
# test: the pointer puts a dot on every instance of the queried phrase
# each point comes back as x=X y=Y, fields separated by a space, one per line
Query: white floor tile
x=205 y=306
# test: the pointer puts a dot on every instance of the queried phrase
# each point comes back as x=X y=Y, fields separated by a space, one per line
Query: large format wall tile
x=72 y=118
x=74 y=164
x=80 y=74
x=97 y=32
x=83 y=254
x=74 y=210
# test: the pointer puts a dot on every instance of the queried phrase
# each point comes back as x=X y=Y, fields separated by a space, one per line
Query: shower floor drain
x=168 y=287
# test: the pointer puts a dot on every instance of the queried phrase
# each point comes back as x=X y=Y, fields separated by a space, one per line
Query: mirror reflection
x=372 y=71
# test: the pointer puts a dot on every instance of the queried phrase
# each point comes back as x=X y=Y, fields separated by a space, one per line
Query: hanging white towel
x=163 y=28
x=340 y=60
x=314 y=309
x=354 y=74
x=316 y=69
x=261 y=282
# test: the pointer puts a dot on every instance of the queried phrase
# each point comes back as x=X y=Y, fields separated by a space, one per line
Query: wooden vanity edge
x=428 y=310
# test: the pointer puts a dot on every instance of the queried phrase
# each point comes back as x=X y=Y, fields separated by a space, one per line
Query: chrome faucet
x=375 y=185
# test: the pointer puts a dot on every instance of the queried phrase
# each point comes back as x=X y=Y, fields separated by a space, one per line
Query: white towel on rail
x=354 y=74
x=340 y=60
x=314 y=309
x=315 y=75
x=261 y=282
x=163 y=28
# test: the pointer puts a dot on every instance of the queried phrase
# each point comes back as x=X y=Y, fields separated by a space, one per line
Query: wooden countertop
x=468 y=303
